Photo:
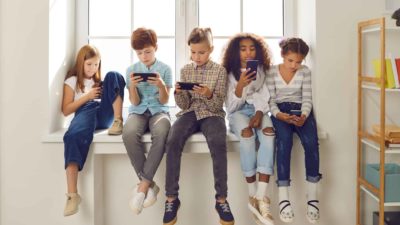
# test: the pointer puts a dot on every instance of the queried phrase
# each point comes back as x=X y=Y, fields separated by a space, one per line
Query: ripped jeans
x=284 y=141
x=251 y=159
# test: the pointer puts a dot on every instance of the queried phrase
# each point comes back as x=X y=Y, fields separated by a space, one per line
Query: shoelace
x=225 y=207
x=264 y=207
x=169 y=206
x=118 y=123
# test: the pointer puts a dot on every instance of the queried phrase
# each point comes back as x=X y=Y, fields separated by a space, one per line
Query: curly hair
x=231 y=56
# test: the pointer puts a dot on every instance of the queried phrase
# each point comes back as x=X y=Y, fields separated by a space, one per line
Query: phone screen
x=145 y=76
x=187 y=85
x=295 y=112
x=252 y=64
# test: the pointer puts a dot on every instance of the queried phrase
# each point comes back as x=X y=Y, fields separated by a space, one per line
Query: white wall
x=32 y=175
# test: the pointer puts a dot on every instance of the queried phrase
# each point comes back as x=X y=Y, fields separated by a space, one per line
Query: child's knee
x=247 y=132
x=269 y=131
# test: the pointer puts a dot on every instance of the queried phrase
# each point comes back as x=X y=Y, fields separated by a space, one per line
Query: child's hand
x=255 y=121
x=203 y=90
x=94 y=93
x=285 y=117
x=177 y=88
x=156 y=81
x=245 y=78
x=135 y=80
x=299 y=120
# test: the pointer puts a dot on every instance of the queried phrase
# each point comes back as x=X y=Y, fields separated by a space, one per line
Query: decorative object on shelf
x=396 y=16
x=391 y=218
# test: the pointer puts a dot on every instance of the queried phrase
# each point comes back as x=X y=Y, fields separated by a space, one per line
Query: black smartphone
x=145 y=76
x=295 y=112
x=187 y=85
x=100 y=85
x=252 y=64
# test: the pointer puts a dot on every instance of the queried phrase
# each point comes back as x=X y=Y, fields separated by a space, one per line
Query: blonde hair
x=85 y=53
x=201 y=35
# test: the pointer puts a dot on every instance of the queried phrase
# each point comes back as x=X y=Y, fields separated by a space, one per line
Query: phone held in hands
x=187 y=85
x=145 y=76
x=252 y=64
x=296 y=112
x=100 y=85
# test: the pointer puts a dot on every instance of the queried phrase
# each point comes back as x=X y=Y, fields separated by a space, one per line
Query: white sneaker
x=136 y=202
x=72 y=204
x=264 y=208
x=151 y=196
x=286 y=212
x=312 y=211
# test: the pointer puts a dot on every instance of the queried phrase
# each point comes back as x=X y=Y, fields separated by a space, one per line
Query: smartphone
x=100 y=85
x=145 y=76
x=252 y=64
x=187 y=85
x=296 y=112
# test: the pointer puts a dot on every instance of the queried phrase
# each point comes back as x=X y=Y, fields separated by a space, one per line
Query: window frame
x=186 y=18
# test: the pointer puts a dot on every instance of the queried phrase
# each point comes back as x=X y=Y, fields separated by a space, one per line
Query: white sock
x=252 y=189
x=312 y=202
x=261 y=190
x=311 y=191
x=285 y=209
x=283 y=193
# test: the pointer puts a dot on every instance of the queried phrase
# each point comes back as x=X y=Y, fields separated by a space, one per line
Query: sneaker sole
x=223 y=222
x=114 y=133
x=172 y=222
x=312 y=221
x=259 y=216
x=286 y=220
x=226 y=223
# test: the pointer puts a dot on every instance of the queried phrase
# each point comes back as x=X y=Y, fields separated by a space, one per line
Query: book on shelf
x=395 y=71
x=390 y=81
x=392 y=145
x=391 y=131
x=397 y=61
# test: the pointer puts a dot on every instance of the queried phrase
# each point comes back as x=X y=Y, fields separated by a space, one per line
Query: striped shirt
x=256 y=93
x=213 y=76
x=149 y=94
x=298 y=90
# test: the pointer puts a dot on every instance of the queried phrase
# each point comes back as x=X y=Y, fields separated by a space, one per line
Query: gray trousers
x=134 y=128
x=214 y=129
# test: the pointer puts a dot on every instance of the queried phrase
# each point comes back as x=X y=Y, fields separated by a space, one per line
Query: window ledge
x=107 y=144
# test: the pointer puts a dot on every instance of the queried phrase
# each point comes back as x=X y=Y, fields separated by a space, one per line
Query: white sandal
x=287 y=215
x=312 y=211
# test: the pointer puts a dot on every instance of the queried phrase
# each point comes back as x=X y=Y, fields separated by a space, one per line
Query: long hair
x=85 y=53
x=231 y=57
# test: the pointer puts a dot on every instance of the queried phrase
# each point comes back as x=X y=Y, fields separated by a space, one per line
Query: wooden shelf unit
x=364 y=138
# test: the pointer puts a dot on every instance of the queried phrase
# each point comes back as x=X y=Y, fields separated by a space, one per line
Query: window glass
x=109 y=18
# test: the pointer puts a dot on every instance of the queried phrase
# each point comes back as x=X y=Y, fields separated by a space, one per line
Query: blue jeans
x=89 y=117
x=251 y=160
x=284 y=141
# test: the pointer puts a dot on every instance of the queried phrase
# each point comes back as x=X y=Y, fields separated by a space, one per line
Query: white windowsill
x=102 y=141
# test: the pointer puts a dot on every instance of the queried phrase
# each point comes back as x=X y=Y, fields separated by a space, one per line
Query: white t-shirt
x=88 y=83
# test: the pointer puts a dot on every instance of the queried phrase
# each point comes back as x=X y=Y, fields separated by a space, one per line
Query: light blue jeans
x=253 y=161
